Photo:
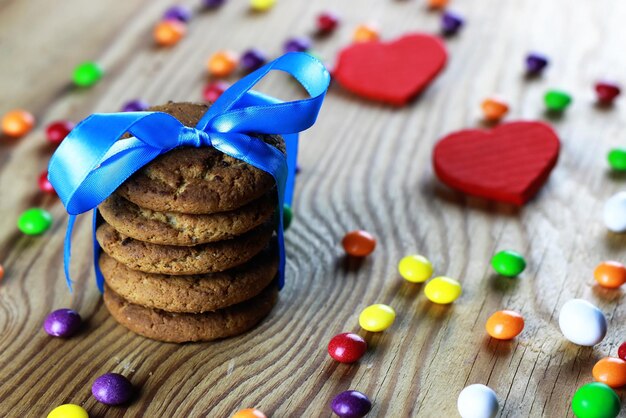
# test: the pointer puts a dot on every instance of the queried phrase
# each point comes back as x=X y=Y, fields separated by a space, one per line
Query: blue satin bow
x=92 y=162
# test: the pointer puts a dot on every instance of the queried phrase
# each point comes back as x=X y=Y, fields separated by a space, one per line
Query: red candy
x=607 y=91
x=214 y=90
x=327 y=22
x=621 y=351
x=57 y=131
x=44 y=183
x=347 y=347
x=358 y=243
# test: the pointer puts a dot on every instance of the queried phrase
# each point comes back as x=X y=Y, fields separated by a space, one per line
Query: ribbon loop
x=192 y=137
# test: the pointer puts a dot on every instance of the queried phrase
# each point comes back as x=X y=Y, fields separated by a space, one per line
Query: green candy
x=557 y=100
x=508 y=263
x=287 y=216
x=87 y=74
x=617 y=159
x=34 y=221
x=595 y=400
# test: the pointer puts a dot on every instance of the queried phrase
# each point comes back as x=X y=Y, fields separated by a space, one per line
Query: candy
x=535 y=63
x=57 y=131
x=1 y=272
x=62 y=323
x=595 y=400
x=112 y=389
x=252 y=59
x=287 y=216
x=169 y=32
x=508 y=263
x=442 y=290
x=610 y=274
x=617 y=159
x=415 y=268
x=212 y=4
x=477 y=401
x=17 y=123
x=611 y=371
x=351 y=404
x=621 y=351
x=437 y=4
x=451 y=22
x=358 y=243
x=327 y=22
x=178 y=12
x=557 y=100
x=44 y=184
x=68 y=411
x=377 y=318
x=87 y=74
x=135 y=105
x=249 y=413
x=505 y=325
x=494 y=109
x=347 y=347
x=615 y=212
x=582 y=323
x=262 y=5
x=365 y=33
x=607 y=91
x=34 y=221
x=214 y=90
x=298 y=44
x=222 y=63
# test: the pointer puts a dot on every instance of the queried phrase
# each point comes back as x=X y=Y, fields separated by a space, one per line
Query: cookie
x=190 y=294
x=177 y=260
x=179 y=328
x=197 y=180
x=171 y=228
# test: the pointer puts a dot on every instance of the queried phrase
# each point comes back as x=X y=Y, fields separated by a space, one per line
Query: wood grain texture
x=363 y=166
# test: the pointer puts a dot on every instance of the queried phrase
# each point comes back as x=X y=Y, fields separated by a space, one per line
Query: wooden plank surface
x=363 y=166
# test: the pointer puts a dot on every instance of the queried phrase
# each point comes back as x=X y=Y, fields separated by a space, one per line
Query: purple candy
x=351 y=404
x=136 y=105
x=535 y=63
x=451 y=22
x=62 y=323
x=299 y=44
x=252 y=59
x=178 y=12
x=112 y=389
x=211 y=4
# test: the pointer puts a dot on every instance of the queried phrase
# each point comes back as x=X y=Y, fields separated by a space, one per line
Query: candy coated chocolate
x=351 y=404
x=112 y=389
x=62 y=323
x=347 y=347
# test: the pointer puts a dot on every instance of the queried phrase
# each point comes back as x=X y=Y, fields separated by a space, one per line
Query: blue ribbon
x=92 y=162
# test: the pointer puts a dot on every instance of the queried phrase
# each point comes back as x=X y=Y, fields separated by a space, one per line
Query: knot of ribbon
x=93 y=160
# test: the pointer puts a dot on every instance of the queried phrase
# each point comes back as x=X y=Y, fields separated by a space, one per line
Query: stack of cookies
x=187 y=253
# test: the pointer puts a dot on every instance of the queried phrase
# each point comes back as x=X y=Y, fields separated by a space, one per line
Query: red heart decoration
x=393 y=72
x=510 y=163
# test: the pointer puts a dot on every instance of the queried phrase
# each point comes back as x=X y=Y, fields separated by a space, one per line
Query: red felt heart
x=393 y=72
x=509 y=163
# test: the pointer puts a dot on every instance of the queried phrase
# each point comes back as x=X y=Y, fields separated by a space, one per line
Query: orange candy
x=1 y=272
x=169 y=32
x=17 y=123
x=222 y=63
x=494 y=109
x=610 y=274
x=437 y=4
x=358 y=243
x=365 y=33
x=505 y=325
x=249 y=413
x=610 y=371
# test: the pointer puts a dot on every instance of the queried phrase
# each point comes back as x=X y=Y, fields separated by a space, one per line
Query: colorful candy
x=178 y=12
x=351 y=404
x=494 y=109
x=287 y=216
x=252 y=59
x=451 y=22
x=58 y=130
x=359 y=243
x=62 y=323
x=415 y=268
x=297 y=44
x=112 y=389
x=477 y=401
x=222 y=63
x=87 y=74
x=505 y=325
x=377 y=318
x=249 y=413
x=347 y=347
x=437 y=4
x=610 y=274
x=557 y=100
x=44 y=184
x=442 y=290
x=595 y=400
x=617 y=159
x=1 y=272
x=365 y=33
x=615 y=212
x=582 y=323
x=135 y=105
x=327 y=22
x=535 y=63
x=17 y=123
x=262 y=5
x=68 y=411
x=508 y=263
x=34 y=221
x=169 y=32
x=611 y=371
x=214 y=90
x=621 y=351
x=607 y=91
x=212 y=4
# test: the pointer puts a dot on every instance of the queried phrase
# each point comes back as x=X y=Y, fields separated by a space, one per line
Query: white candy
x=582 y=323
x=477 y=401
x=615 y=212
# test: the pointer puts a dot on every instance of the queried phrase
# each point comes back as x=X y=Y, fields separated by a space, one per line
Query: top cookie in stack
x=186 y=243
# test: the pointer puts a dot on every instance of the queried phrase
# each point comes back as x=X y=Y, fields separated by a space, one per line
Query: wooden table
x=365 y=166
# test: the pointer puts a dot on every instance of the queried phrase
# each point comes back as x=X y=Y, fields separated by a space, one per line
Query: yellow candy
x=262 y=5
x=377 y=317
x=415 y=268
x=442 y=290
x=68 y=411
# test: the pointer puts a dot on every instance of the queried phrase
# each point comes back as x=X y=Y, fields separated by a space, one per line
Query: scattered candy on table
x=178 y=12
x=617 y=159
x=214 y=90
x=358 y=243
x=169 y=32
x=62 y=323
x=614 y=213
x=249 y=413
x=17 y=123
x=451 y=22
x=365 y=33
x=607 y=91
x=135 y=105
x=252 y=59
x=34 y=221
x=377 y=317
x=536 y=63
x=112 y=389
x=1 y=272
x=611 y=371
x=87 y=74
x=415 y=268
x=477 y=401
x=262 y=5
x=327 y=22
x=351 y=404
x=287 y=216
x=297 y=44
x=595 y=400
x=494 y=109
x=212 y=4
x=68 y=411
x=58 y=130
x=557 y=100
x=437 y=4
x=508 y=263
x=505 y=325
x=621 y=351
x=44 y=184
x=222 y=63
x=442 y=290
x=347 y=347
x=610 y=274
x=582 y=323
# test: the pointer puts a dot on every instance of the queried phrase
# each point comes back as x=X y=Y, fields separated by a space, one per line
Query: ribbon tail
x=67 y=251
x=96 y=253
x=291 y=141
